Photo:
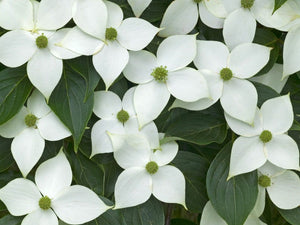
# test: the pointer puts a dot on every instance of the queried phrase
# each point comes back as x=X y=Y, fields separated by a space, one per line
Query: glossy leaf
x=233 y=199
x=194 y=169
x=15 y=87
x=201 y=127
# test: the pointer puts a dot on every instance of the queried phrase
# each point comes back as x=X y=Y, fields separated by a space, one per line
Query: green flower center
x=111 y=34
x=41 y=41
x=247 y=4
x=226 y=74
x=264 y=181
x=45 y=203
x=265 y=136
x=197 y=1
x=152 y=167
x=123 y=116
x=160 y=74
x=30 y=120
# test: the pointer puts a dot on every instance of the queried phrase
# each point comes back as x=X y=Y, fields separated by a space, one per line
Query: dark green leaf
x=266 y=37
x=70 y=104
x=181 y=222
x=10 y=220
x=194 y=169
x=149 y=213
x=15 y=87
x=84 y=67
x=202 y=127
x=233 y=199
x=264 y=93
x=278 y=4
x=292 y=216
x=6 y=158
x=86 y=172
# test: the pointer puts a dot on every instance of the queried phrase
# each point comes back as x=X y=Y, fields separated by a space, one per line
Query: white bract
x=273 y=78
x=138 y=6
x=266 y=139
x=30 y=128
x=146 y=172
x=226 y=73
x=117 y=117
x=182 y=16
x=240 y=18
x=159 y=77
x=51 y=196
x=35 y=40
x=109 y=45
x=283 y=186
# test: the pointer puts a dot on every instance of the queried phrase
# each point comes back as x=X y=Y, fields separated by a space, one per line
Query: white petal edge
x=40 y=217
x=186 y=18
x=77 y=205
x=145 y=101
x=106 y=104
x=135 y=34
x=44 y=71
x=21 y=196
x=169 y=185
x=133 y=187
x=177 y=51
x=138 y=7
x=27 y=148
x=247 y=155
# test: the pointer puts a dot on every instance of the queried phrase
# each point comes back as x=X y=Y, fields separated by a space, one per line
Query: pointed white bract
x=138 y=6
x=159 y=77
x=30 y=128
x=283 y=186
x=52 y=196
x=117 y=117
x=226 y=73
x=182 y=16
x=33 y=39
x=240 y=19
x=266 y=139
x=146 y=171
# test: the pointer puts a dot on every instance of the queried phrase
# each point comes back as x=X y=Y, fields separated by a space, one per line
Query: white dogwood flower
x=110 y=46
x=138 y=6
x=51 y=196
x=36 y=40
x=226 y=73
x=240 y=18
x=117 y=117
x=30 y=128
x=166 y=74
x=146 y=172
x=266 y=139
x=182 y=16
x=283 y=186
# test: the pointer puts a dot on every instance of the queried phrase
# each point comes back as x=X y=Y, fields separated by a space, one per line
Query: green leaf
x=264 y=93
x=149 y=213
x=233 y=199
x=86 y=172
x=194 y=169
x=70 y=104
x=292 y=216
x=10 y=220
x=15 y=87
x=84 y=67
x=278 y=4
x=181 y=222
x=266 y=37
x=201 y=127
x=6 y=158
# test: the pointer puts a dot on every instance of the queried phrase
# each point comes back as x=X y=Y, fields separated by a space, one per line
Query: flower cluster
x=169 y=71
